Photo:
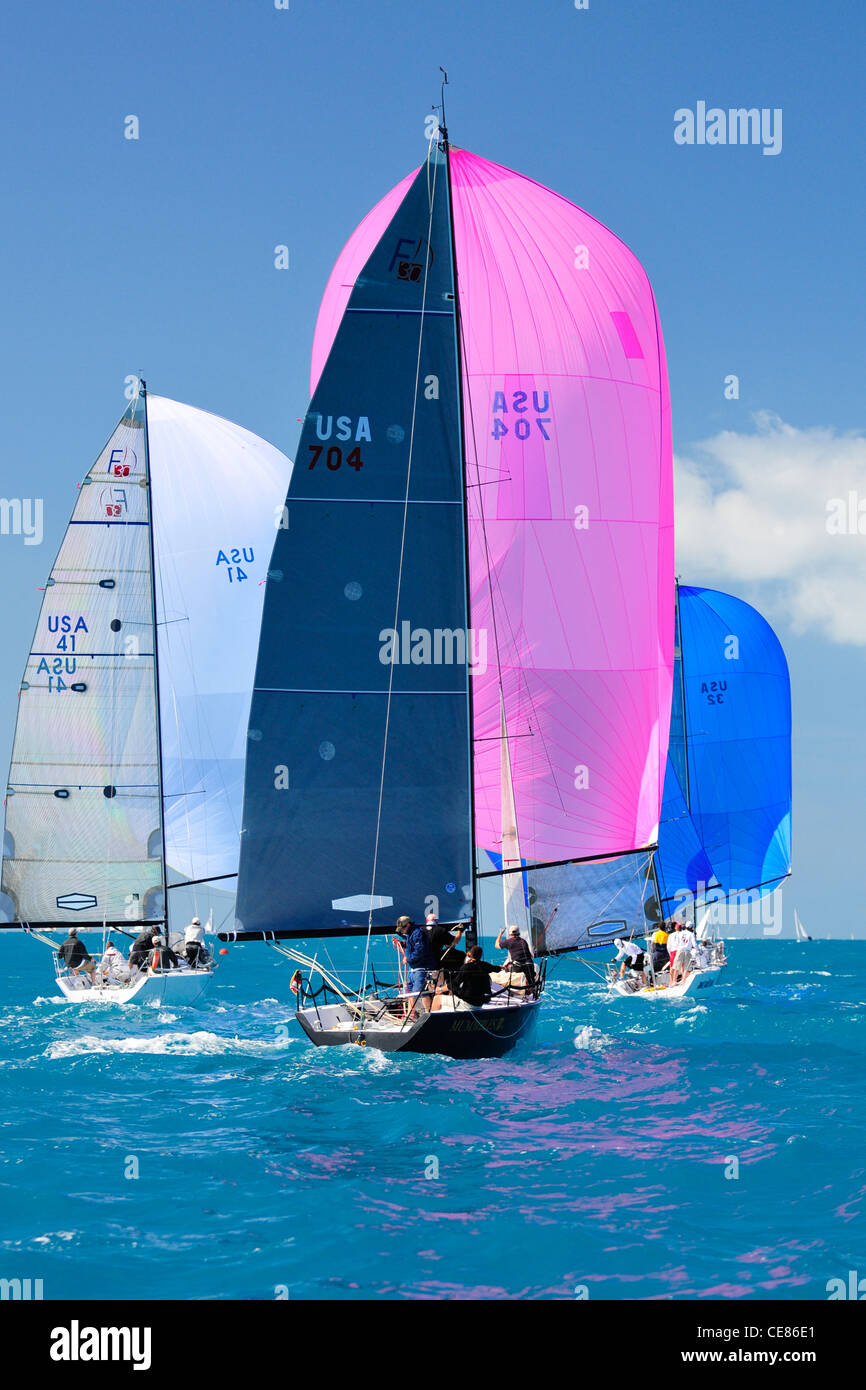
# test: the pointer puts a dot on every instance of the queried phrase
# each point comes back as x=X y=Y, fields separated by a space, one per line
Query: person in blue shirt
x=420 y=957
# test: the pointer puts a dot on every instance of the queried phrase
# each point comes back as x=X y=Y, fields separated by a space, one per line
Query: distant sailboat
x=725 y=834
x=800 y=932
x=467 y=641
x=125 y=785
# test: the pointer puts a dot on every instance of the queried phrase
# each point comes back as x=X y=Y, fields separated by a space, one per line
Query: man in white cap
x=632 y=958
x=193 y=938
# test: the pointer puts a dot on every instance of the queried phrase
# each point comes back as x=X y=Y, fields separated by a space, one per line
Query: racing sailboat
x=124 y=792
x=725 y=834
x=463 y=687
x=800 y=932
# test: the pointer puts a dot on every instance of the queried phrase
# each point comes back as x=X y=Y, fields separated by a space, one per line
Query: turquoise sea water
x=594 y=1156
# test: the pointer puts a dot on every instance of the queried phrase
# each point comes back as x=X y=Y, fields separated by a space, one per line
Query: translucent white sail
x=83 y=839
x=218 y=494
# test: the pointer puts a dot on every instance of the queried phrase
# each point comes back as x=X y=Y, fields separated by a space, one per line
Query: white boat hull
x=693 y=984
x=181 y=987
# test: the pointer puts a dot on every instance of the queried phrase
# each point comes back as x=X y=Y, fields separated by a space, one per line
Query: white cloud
x=756 y=512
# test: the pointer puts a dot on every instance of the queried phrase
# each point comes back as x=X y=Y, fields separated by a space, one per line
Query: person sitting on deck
x=445 y=948
x=519 y=953
x=193 y=942
x=112 y=965
x=420 y=959
x=141 y=948
x=163 y=957
x=701 y=956
x=473 y=979
x=632 y=958
x=74 y=955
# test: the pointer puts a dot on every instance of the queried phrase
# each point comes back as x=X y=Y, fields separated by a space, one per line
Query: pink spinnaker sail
x=570 y=487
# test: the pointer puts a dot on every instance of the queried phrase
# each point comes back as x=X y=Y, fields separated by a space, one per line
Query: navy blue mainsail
x=357 y=797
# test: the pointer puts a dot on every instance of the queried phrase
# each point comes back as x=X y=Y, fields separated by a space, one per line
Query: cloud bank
x=775 y=515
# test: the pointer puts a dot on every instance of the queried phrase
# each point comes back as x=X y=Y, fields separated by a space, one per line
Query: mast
x=161 y=796
x=472 y=933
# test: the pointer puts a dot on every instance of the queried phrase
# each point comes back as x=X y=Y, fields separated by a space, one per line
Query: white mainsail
x=83 y=838
x=84 y=831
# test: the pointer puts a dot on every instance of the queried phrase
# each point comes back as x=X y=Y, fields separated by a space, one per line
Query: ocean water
x=599 y=1157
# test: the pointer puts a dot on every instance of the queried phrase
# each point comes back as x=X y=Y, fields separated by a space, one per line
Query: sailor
x=193 y=938
x=141 y=948
x=112 y=964
x=659 y=950
x=74 y=955
x=163 y=957
x=419 y=958
x=472 y=983
x=445 y=948
x=519 y=953
x=681 y=955
x=700 y=955
x=632 y=958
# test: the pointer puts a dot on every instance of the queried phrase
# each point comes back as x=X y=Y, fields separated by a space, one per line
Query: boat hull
x=181 y=987
x=698 y=981
x=463 y=1034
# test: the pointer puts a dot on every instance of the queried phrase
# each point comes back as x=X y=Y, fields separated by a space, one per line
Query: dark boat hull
x=465 y=1034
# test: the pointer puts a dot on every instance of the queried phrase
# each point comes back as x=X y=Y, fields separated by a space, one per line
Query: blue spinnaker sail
x=357 y=795
x=726 y=812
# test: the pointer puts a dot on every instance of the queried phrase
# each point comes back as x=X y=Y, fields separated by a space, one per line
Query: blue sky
x=261 y=127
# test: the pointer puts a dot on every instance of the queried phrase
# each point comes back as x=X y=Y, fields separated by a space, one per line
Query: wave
x=201 y=1044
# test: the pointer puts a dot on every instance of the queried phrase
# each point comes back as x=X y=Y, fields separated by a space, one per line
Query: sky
x=261 y=127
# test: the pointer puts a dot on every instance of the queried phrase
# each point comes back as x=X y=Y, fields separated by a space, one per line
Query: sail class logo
x=439 y=646
x=736 y=126
x=77 y=1343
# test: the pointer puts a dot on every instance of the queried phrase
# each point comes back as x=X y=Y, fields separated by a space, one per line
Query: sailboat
x=466 y=654
x=124 y=793
x=799 y=930
x=725 y=835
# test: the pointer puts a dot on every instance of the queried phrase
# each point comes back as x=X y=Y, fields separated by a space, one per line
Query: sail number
x=518 y=403
x=714 y=691
x=334 y=457
x=522 y=428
